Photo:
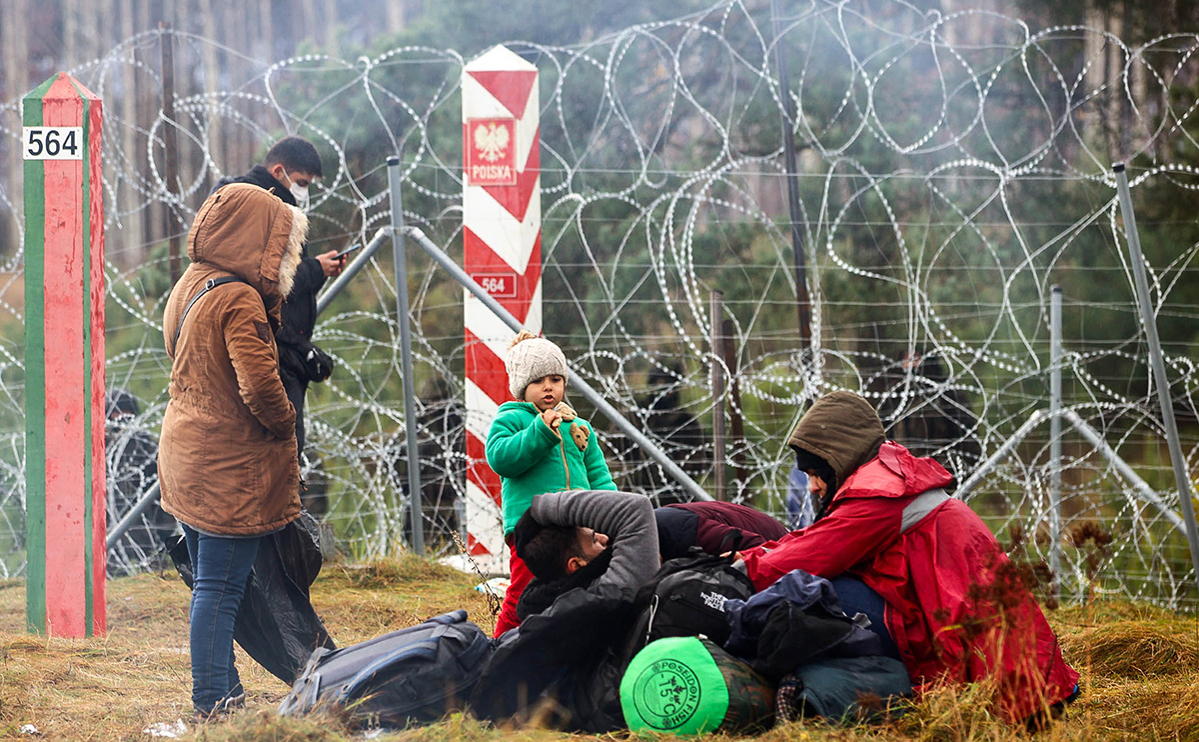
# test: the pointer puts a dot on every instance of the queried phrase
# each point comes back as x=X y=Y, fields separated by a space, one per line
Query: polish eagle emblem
x=491 y=141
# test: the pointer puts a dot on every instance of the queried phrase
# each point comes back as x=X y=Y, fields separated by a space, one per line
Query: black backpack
x=417 y=674
x=686 y=598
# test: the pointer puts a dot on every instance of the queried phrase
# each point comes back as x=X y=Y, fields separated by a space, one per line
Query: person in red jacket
x=957 y=609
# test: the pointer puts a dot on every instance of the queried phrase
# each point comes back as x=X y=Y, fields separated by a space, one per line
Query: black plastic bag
x=276 y=624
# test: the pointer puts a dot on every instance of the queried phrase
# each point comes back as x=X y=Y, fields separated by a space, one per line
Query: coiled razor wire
x=953 y=166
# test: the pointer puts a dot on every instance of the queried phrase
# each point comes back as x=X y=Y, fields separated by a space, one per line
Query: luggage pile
x=694 y=651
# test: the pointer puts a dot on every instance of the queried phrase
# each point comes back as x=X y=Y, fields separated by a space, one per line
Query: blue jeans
x=856 y=597
x=222 y=568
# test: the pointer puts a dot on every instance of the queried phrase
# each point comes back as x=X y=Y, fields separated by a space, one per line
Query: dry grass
x=1140 y=671
x=112 y=688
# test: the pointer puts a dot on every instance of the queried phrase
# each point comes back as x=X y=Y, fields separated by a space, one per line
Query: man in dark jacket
x=562 y=558
x=288 y=169
x=564 y=541
x=569 y=651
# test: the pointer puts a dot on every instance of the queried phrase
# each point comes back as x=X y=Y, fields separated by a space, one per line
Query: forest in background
x=40 y=38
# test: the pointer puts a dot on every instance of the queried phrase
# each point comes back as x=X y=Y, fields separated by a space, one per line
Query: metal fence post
x=415 y=514
x=716 y=306
x=1055 y=437
x=1181 y=479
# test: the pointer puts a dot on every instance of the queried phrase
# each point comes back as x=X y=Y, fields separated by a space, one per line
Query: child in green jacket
x=538 y=444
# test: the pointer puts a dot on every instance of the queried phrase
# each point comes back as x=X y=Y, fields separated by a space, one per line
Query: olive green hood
x=841 y=428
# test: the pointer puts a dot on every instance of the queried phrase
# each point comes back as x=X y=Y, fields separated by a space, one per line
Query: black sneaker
x=221 y=710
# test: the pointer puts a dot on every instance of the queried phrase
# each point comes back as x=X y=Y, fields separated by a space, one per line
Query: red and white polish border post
x=502 y=251
x=64 y=360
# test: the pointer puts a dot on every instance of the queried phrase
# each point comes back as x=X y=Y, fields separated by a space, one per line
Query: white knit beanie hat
x=529 y=359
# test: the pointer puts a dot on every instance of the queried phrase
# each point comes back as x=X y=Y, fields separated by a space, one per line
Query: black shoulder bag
x=300 y=358
x=209 y=285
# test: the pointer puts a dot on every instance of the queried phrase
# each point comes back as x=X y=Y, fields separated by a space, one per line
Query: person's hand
x=330 y=263
x=552 y=418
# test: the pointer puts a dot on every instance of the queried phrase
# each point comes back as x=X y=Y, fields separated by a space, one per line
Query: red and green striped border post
x=64 y=369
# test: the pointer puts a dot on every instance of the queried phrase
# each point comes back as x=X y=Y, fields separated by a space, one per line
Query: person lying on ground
x=956 y=608
x=715 y=527
x=565 y=557
x=574 y=556
x=582 y=539
x=569 y=654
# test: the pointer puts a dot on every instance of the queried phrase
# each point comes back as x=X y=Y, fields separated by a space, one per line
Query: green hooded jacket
x=532 y=459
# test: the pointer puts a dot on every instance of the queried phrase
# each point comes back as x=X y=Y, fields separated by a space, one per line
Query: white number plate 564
x=53 y=142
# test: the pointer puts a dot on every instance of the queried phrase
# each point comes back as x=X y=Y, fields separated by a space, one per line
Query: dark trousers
x=296 y=389
x=856 y=597
x=222 y=568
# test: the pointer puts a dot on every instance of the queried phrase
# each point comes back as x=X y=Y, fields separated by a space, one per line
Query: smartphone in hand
x=347 y=251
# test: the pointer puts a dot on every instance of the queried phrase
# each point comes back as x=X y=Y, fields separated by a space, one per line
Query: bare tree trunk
x=14 y=31
x=400 y=13
x=70 y=33
x=105 y=29
x=238 y=145
x=267 y=33
x=394 y=12
x=210 y=32
x=1115 y=95
x=1095 y=55
x=1126 y=124
x=128 y=199
x=306 y=25
x=331 y=27
x=146 y=107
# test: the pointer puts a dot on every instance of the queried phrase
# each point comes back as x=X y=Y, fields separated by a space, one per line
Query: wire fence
x=951 y=169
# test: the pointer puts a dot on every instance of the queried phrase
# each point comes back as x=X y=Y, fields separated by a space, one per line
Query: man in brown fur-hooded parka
x=227 y=463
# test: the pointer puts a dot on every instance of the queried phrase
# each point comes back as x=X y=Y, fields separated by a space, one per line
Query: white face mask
x=298 y=192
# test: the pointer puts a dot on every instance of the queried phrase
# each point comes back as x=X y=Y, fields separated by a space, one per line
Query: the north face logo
x=713 y=600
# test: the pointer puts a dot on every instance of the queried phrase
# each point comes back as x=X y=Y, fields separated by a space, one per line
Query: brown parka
x=227 y=460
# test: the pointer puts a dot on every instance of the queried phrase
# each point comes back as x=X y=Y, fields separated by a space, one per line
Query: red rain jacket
x=957 y=608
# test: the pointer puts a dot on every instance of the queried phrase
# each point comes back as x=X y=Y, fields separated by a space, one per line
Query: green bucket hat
x=688 y=685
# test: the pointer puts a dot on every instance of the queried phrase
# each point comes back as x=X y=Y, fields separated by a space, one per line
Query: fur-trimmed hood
x=254 y=235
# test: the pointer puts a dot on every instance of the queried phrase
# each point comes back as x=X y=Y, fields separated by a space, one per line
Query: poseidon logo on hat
x=667 y=694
